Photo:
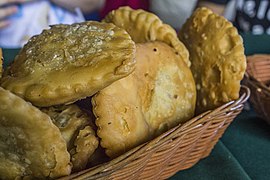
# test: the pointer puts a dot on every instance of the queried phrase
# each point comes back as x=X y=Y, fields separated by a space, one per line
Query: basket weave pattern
x=257 y=76
x=177 y=149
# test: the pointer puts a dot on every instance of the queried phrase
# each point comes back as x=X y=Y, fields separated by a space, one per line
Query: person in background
x=173 y=12
x=248 y=16
x=21 y=19
x=110 y=5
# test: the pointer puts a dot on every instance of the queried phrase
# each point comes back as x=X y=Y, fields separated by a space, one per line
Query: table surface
x=243 y=152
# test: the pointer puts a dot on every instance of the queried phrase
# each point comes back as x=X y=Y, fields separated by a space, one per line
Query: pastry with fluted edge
x=217 y=58
x=144 y=26
x=31 y=145
x=158 y=95
x=76 y=128
x=70 y=62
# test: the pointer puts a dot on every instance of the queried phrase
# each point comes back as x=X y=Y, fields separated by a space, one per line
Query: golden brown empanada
x=144 y=26
x=30 y=144
x=158 y=95
x=70 y=62
x=217 y=58
x=75 y=127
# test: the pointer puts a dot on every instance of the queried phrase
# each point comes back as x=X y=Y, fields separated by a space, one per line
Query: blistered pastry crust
x=31 y=145
x=158 y=95
x=70 y=62
x=217 y=58
x=144 y=26
x=85 y=145
x=76 y=128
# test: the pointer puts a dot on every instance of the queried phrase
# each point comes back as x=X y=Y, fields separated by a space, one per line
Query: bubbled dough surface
x=159 y=94
x=85 y=145
x=31 y=145
x=144 y=26
x=76 y=128
x=70 y=62
x=217 y=58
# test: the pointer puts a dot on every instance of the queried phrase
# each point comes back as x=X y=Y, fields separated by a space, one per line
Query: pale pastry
x=70 y=62
x=217 y=58
x=144 y=26
x=30 y=144
x=75 y=127
x=158 y=95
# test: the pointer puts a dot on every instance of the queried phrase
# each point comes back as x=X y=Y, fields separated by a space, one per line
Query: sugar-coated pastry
x=70 y=62
x=217 y=58
x=158 y=95
x=144 y=26
x=30 y=144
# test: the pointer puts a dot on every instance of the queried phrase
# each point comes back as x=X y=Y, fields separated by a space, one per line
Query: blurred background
x=243 y=152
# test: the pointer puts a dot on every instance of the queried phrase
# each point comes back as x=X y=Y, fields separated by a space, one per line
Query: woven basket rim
x=119 y=162
x=257 y=77
x=257 y=83
x=258 y=63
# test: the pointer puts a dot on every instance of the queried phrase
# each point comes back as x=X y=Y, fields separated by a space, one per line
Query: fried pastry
x=76 y=129
x=31 y=145
x=158 y=95
x=85 y=145
x=217 y=58
x=1 y=63
x=70 y=62
x=144 y=26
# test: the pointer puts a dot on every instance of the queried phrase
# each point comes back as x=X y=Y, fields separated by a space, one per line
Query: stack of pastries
x=140 y=77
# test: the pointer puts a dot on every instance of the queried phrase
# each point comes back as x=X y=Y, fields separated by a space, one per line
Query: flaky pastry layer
x=30 y=144
x=144 y=26
x=76 y=128
x=70 y=62
x=217 y=58
x=158 y=95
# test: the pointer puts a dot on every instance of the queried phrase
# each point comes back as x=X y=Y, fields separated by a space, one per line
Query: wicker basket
x=177 y=149
x=257 y=78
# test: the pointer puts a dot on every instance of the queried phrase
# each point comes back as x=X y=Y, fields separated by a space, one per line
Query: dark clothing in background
x=251 y=15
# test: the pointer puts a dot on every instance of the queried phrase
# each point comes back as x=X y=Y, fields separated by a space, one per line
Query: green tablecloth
x=242 y=153
x=244 y=150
